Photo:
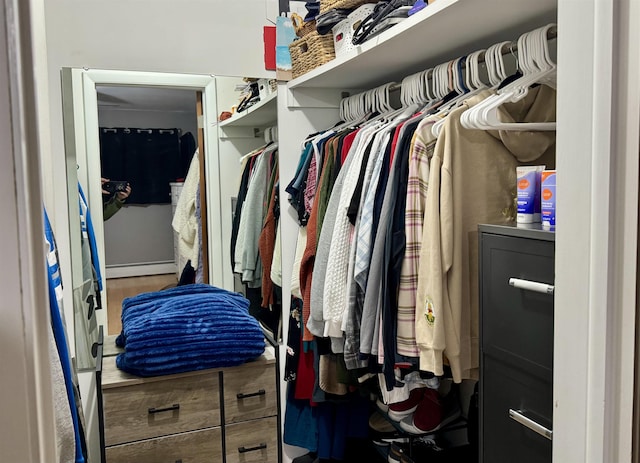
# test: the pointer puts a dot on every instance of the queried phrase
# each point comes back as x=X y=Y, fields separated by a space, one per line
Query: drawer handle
x=240 y=395
x=252 y=449
x=532 y=286
x=178 y=461
x=165 y=409
x=517 y=415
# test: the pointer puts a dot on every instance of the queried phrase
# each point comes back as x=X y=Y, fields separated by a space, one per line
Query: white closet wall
x=596 y=267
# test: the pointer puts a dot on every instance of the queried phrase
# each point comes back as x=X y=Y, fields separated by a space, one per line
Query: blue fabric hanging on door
x=59 y=334
x=87 y=227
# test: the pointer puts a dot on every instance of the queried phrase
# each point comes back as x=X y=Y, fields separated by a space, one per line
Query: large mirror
x=142 y=129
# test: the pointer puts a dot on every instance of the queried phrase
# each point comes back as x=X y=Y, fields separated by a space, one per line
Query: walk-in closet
x=403 y=231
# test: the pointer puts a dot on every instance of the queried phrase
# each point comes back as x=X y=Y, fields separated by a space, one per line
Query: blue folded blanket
x=191 y=327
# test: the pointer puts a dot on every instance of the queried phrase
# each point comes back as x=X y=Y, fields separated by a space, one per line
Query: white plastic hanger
x=354 y=110
x=496 y=73
x=474 y=118
x=390 y=115
x=473 y=86
x=412 y=91
x=537 y=68
x=253 y=153
x=535 y=63
x=425 y=77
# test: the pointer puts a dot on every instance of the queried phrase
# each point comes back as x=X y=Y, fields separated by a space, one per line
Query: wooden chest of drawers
x=227 y=415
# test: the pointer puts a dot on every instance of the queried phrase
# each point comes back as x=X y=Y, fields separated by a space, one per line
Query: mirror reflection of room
x=147 y=141
x=248 y=134
x=151 y=191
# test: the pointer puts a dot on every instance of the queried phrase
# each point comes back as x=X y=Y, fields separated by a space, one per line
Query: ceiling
x=146 y=98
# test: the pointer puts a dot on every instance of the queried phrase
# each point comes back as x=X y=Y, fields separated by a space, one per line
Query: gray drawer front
x=517 y=324
x=504 y=388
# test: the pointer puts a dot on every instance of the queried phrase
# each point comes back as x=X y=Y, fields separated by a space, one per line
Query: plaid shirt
x=423 y=145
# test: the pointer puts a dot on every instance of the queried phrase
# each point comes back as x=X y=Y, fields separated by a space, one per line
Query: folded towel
x=187 y=328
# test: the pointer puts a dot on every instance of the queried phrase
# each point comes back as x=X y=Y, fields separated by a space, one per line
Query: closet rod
x=506 y=49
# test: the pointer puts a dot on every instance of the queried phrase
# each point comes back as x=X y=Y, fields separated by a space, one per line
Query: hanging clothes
x=188 y=146
x=266 y=243
x=246 y=260
x=89 y=234
x=394 y=252
x=87 y=295
x=199 y=277
x=62 y=347
x=385 y=286
x=335 y=284
x=472 y=181
x=318 y=199
x=242 y=194
x=422 y=147
x=185 y=221
x=255 y=250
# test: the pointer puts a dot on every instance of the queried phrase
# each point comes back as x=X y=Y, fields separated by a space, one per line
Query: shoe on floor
x=395 y=453
x=379 y=424
x=384 y=408
x=401 y=410
x=430 y=415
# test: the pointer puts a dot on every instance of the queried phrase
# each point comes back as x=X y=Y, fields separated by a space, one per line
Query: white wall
x=142 y=234
x=139 y=235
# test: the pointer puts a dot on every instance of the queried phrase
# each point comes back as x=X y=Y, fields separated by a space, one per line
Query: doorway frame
x=83 y=161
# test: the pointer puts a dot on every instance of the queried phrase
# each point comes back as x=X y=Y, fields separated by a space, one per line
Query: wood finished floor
x=121 y=288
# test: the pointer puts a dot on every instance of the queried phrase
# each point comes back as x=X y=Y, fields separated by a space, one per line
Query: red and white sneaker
x=401 y=410
x=430 y=415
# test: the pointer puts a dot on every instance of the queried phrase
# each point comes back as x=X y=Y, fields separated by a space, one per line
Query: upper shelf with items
x=262 y=113
x=443 y=29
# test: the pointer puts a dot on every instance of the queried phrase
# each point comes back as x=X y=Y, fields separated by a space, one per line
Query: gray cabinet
x=516 y=339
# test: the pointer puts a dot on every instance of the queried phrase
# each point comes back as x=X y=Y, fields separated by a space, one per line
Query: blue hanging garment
x=57 y=325
x=88 y=232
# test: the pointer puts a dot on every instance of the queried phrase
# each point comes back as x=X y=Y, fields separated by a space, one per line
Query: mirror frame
x=83 y=159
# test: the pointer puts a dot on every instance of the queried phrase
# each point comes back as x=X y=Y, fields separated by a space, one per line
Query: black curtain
x=149 y=159
x=187 y=150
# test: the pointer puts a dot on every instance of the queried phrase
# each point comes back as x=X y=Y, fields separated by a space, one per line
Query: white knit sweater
x=185 y=222
x=335 y=286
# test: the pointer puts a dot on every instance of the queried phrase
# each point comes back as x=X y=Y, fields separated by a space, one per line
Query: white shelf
x=261 y=114
x=442 y=31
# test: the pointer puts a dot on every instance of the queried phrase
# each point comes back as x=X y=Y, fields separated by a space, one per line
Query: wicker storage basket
x=310 y=51
x=301 y=27
x=326 y=5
